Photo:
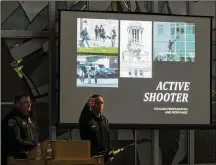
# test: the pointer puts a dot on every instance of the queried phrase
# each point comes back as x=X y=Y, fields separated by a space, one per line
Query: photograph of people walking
x=97 y=36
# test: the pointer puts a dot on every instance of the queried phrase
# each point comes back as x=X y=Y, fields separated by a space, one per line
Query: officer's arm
x=84 y=129
x=110 y=144
x=15 y=137
x=83 y=123
x=84 y=110
x=36 y=132
x=109 y=139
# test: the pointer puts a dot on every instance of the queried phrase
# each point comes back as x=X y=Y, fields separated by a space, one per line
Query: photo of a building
x=174 y=41
x=136 y=49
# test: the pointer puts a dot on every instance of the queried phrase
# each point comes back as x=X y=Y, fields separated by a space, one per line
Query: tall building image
x=135 y=53
x=174 y=41
x=134 y=31
x=135 y=44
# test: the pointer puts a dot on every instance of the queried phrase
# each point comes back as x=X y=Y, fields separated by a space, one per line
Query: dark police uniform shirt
x=20 y=134
x=95 y=129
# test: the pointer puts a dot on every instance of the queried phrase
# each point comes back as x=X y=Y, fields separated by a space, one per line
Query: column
x=128 y=31
x=129 y=35
x=141 y=35
x=135 y=35
x=52 y=71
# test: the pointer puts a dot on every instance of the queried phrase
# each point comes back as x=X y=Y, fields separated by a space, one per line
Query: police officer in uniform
x=94 y=126
x=20 y=134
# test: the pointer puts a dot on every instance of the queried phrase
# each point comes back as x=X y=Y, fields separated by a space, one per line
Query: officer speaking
x=20 y=134
x=94 y=126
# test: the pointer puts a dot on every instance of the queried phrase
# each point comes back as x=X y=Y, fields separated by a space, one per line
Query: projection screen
x=150 y=69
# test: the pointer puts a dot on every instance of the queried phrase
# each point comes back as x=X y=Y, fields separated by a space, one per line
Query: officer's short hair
x=19 y=96
x=96 y=95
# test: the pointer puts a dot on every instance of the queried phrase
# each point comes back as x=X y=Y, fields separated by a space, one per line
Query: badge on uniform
x=11 y=122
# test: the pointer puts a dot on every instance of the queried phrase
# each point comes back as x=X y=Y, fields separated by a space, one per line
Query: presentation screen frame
x=139 y=126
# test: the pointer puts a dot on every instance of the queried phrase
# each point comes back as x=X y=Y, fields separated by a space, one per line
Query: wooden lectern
x=64 y=152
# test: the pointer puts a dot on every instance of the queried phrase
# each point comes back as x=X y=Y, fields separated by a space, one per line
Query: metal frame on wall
x=24 y=34
x=52 y=69
x=51 y=34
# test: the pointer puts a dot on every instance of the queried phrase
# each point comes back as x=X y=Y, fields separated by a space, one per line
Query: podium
x=64 y=152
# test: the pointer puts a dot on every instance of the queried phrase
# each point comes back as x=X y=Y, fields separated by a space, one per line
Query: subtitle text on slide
x=173 y=111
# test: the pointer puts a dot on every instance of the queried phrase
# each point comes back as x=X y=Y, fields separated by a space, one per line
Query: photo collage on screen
x=97 y=52
x=103 y=46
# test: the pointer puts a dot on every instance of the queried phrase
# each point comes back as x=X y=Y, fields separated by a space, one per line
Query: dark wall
x=11 y=84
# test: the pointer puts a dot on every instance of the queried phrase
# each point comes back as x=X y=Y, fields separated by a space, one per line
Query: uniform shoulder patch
x=11 y=122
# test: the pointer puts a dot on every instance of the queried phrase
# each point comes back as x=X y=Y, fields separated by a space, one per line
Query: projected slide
x=97 y=36
x=146 y=68
x=136 y=49
x=97 y=71
x=174 y=41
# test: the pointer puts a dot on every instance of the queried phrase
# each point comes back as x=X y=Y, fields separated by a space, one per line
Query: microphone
x=117 y=151
x=109 y=156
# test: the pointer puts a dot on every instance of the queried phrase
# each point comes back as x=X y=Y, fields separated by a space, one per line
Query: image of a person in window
x=171 y=43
